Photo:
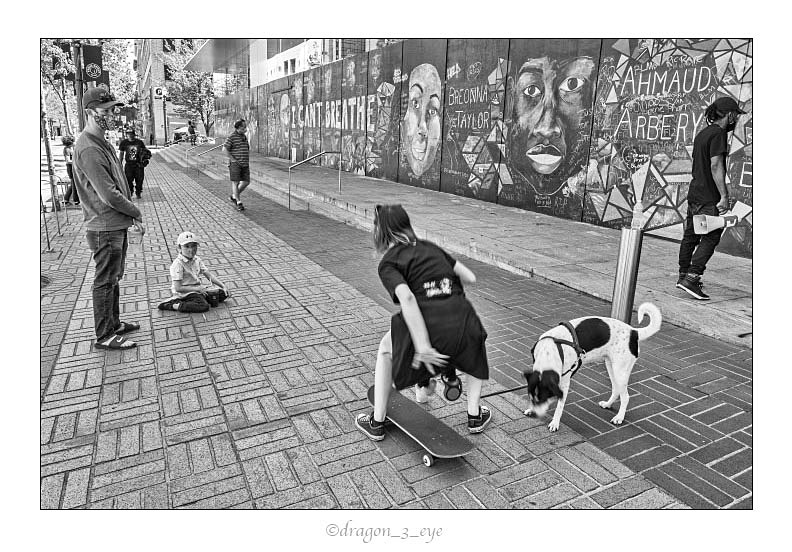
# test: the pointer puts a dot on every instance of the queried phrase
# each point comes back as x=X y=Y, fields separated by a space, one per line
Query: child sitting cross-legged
x=189 y=295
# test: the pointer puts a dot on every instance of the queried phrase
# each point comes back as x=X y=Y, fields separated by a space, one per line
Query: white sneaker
x=422 y=394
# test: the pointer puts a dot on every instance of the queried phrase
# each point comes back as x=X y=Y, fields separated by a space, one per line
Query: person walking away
x=436 y=330
x=191 y=132
x=237 y=150
x=707 y=194
x=108 y=211
x=134 y=158
x=68 y=155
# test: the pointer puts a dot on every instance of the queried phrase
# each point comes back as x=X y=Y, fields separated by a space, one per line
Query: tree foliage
x=61 y=103
x=191 y=92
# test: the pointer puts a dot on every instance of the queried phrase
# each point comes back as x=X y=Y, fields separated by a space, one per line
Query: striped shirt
x=237 y=145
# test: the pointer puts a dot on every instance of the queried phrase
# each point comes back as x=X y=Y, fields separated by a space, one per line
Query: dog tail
x=655 y=319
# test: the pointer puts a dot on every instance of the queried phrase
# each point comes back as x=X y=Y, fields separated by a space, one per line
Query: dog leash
x=504 y=391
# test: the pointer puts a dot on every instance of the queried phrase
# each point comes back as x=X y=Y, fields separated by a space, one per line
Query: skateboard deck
x=436 y=437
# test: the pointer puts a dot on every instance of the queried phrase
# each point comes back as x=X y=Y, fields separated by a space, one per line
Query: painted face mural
x=548 y=99
x=422 y=127
x=283 y=112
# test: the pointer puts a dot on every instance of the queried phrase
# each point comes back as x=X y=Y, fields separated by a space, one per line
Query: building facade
x=584 y=129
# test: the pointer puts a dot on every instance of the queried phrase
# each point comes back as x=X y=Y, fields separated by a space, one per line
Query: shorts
x=239 y=173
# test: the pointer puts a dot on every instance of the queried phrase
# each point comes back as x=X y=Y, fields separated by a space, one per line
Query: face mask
x=105 y=122
x=731 y=125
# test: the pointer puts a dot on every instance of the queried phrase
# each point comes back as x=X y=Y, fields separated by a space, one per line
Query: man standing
x=707 y=194
x=238 y=152
x=108 y=212
x=134 y=159
x=191 y=132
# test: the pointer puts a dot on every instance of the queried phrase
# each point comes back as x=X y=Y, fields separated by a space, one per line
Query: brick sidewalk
x=251 y=404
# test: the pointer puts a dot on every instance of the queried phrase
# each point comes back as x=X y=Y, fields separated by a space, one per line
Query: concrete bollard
x=627 y=267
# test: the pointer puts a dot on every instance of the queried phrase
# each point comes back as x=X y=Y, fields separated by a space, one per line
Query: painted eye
x=416 y=104
x=572 y=84
x=532 y=91
x=432 y=111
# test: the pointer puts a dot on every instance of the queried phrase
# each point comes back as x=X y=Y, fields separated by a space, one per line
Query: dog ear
x=533 y=381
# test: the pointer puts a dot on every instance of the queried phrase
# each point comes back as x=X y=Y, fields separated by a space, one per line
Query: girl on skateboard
x=437 y=328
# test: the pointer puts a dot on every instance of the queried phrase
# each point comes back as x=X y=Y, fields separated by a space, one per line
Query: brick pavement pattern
x=251 y=404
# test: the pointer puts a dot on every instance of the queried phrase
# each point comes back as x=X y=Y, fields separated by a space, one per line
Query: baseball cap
x=727 y=104
x=185 y=238
x=96 y=96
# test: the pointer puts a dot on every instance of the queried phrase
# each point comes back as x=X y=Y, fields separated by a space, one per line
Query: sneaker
x=373 y=429
x=476 y=424
x=422 y=393
x=679 y=280
x=692 y=285
x=233 y=199
x=240 y=207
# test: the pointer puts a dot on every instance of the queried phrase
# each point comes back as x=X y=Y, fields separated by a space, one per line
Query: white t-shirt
x=188 y=271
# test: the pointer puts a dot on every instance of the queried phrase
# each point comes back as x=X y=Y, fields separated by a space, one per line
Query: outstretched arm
x=464 y=273
x=424 y=352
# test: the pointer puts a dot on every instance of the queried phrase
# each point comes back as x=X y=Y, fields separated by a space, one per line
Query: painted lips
x=419 y=150
x=544 y=158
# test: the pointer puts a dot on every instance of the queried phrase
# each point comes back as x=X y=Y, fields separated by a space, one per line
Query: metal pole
x=50 y=169
x=46 y=228
x=77 y=53
x=626 y=274
x=339 y=174
x=289 y=188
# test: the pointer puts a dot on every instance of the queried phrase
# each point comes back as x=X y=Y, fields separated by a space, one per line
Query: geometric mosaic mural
x=582 y=129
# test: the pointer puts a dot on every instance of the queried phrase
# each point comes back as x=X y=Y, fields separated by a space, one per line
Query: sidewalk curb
x=360 y=217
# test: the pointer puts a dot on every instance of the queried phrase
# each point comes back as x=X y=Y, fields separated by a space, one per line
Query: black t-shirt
x=709 y=143
x=133 y=149
x=426 y=268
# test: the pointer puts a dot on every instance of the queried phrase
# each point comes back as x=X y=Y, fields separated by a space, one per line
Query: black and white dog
x=561 y=351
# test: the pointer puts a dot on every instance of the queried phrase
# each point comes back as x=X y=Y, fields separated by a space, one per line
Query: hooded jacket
x=104 y=194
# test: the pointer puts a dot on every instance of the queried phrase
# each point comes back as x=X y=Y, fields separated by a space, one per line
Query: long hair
x=392 y=226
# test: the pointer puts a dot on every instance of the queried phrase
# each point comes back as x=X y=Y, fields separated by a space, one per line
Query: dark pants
x=72 y=189
x=134 y=176
x=194 y=302
x=697 y=249
x=109 y=253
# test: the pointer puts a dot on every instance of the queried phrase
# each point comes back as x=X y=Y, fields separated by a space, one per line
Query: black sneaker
x=476 y=424
x=240 y=207
x=233 y=199
x=679 y=280
x=692 y=285
x=373 y=429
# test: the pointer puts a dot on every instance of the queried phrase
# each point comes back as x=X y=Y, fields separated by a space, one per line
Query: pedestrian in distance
x=237 y=150
x=191 y=132
x=108 y=211
x=68 y=156
x=134 y=157
x=189 y=295
x=707 y=194
x=437 y=330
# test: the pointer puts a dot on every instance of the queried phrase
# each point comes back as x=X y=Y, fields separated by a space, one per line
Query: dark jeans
x=194 y=302
x=134 y=176
x=697 y=249
x=109 y=253
x=72 y=189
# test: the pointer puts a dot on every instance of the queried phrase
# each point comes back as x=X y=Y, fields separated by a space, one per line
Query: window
x=291 y=65
x=285 y=67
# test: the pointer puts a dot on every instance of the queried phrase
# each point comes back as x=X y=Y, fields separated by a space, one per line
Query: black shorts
x=239 y=173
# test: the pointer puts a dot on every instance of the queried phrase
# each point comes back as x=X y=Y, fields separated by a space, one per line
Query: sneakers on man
x=373 y=429
x=422 y=394
x=476 y=424
x=240 y=207
x=679 y=280
x=692 y=285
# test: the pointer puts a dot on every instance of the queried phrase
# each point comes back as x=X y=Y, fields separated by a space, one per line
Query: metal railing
x=210 y=149
x=308 y=159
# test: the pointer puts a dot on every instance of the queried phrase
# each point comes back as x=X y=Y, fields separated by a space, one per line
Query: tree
x=191 y=92
x=55 y=64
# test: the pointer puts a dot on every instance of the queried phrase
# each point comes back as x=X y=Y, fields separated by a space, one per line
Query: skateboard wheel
x=428 y=460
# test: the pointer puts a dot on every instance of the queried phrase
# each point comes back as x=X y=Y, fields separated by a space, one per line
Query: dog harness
x=581 y=353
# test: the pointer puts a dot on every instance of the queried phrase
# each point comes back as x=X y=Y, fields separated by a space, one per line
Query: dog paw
x=530 y=413
x=604 y=404
x=553 y=426
x=617 y=420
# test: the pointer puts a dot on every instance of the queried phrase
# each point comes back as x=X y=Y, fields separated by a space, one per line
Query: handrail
x=308 y=159
x=312 y=157
x=210 y=149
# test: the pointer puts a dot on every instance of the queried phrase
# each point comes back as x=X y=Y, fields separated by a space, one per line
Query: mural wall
x=582 y=129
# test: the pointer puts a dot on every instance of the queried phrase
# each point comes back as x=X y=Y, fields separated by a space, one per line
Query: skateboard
x=437 y=439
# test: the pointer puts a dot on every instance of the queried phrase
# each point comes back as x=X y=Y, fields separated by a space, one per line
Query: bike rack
x=308 y=159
